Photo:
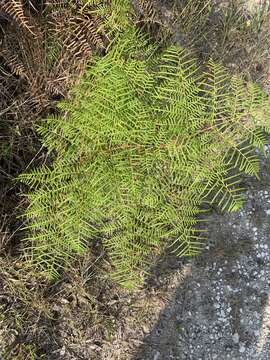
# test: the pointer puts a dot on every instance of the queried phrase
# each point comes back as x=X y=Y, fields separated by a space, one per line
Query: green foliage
x=146 y=143
x=115 y=13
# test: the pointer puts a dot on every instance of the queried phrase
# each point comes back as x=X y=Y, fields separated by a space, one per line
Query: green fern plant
x=145 y=144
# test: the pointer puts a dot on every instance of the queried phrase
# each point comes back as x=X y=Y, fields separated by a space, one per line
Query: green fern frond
x=258 y=139
x=244 y=158
x=216 y=88
x=146 y=140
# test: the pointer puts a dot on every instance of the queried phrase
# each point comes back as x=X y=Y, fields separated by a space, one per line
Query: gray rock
x=235 y=338
x=242 y=348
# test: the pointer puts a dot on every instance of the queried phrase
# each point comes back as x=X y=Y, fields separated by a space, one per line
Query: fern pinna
x=146 y=140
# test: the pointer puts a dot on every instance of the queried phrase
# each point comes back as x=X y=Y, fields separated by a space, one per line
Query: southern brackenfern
x=146 y=140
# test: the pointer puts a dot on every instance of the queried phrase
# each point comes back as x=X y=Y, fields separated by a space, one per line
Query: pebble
x=242 y=349
x=235 y=338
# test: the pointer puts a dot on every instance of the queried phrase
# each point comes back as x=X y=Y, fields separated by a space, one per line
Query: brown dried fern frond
x=148 y=15
x=12 y=60
x=147 y=9
x=90 y=28
x=78 y=37
x=54 y=54
x=15 y=9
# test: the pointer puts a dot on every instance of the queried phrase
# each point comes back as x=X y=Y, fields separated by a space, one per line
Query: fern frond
x=244 y=158
x=216 y=82
x=258 y=139
x=13 y=61
x=145 y=142
x=15 y=9
x=147 y=10
x=225 y=192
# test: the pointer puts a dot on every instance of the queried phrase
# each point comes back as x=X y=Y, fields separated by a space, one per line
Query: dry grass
x=230 y=31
